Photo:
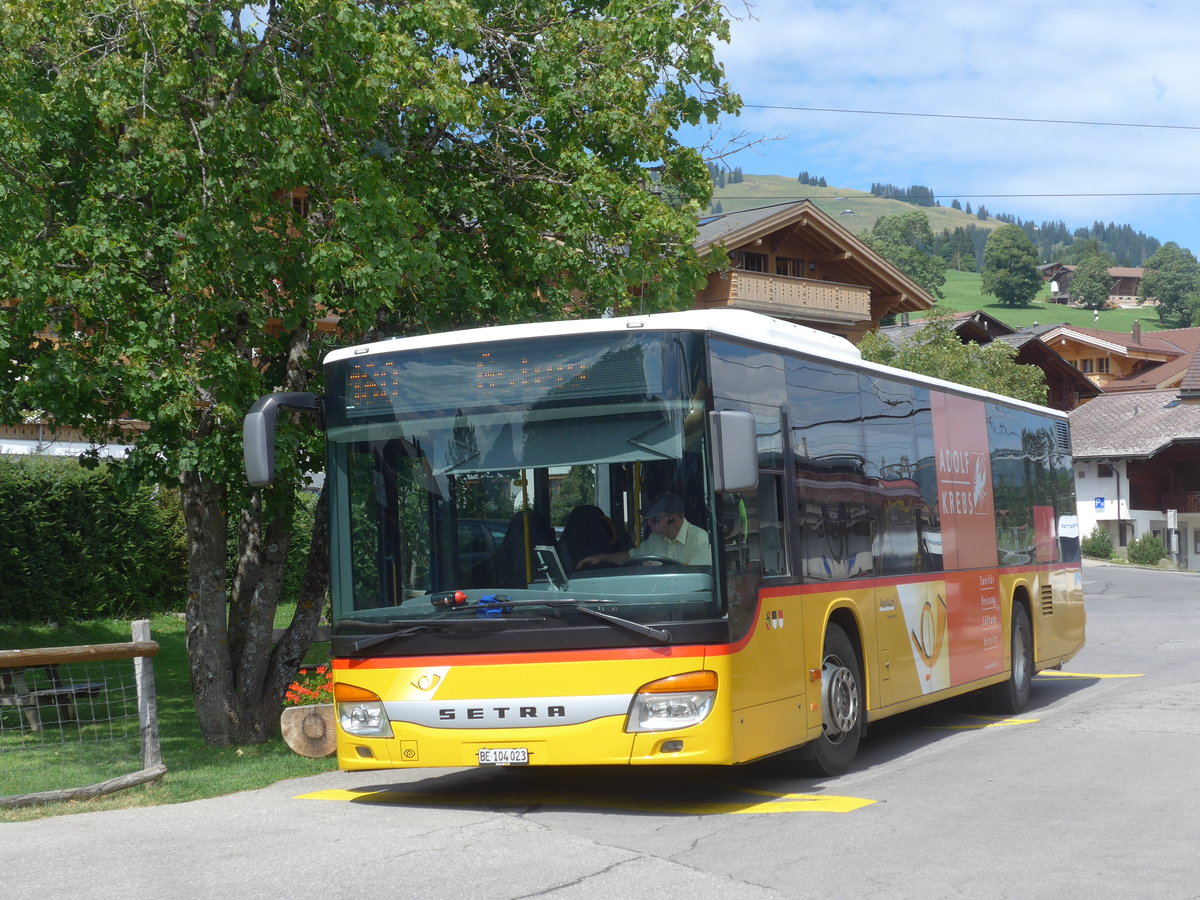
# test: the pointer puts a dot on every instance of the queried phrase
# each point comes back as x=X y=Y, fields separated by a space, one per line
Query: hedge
x=73 y=546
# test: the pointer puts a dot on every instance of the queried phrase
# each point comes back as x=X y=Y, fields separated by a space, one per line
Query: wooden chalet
x=795 y=262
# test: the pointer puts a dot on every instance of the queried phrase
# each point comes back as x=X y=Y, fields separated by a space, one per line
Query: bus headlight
x=360 y=712
x=675 y=702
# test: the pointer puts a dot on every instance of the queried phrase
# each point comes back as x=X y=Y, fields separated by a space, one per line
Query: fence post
x=143 y=668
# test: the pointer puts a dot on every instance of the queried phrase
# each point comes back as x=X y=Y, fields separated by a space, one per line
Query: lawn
x=962 y=290
x=194 y=769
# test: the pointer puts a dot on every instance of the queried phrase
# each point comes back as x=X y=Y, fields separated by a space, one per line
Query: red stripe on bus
x=541 y=656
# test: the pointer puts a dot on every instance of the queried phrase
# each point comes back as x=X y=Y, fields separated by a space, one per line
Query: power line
x=952 y=195
x=920 y=115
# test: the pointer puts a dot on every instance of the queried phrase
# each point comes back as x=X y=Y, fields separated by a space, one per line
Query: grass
x=194 y=769
x=856 y=211
x=963 y=294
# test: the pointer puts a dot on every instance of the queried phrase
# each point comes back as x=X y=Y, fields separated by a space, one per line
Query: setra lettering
x=477 y=713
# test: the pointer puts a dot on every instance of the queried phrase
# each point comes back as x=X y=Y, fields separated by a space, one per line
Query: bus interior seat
x=587 y=530
x=511 y=558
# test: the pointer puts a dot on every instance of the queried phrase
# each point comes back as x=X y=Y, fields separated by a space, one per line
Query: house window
x=1086 y=366
x=1102 y=365
x=749 y=262
x=792 y=268
x=1105 y=470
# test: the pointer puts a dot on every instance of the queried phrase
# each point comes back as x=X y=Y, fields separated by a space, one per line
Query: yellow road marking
x=1054 y=673
x=984 y=722
x=778 y=803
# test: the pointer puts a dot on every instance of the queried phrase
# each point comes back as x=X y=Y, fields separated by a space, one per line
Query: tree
x=1091 y=283
x=1078 y=251
x=194 y=191
x=1172 y=279
x=1010 y=267
x=936 y=350
x=906 y=241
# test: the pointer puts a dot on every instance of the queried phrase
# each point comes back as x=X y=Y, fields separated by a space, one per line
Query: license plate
x=504 y=756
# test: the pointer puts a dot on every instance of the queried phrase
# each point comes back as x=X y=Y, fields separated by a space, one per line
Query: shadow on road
x=769 y=786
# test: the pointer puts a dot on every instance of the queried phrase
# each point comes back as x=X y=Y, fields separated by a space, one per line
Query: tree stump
x=309 y=730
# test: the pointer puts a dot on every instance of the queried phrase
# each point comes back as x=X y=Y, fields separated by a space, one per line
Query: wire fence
x=78 y=722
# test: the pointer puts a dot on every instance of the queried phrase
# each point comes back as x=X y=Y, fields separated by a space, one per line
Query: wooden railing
x=757 y=290
x=1184 y=503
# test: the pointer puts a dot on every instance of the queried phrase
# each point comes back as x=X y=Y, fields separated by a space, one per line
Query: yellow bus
x=694 y=538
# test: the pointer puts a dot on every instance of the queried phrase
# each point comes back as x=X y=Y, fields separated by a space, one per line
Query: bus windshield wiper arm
x=374 y=639
x=658 y=634
x=412 y=627
x=502 y=605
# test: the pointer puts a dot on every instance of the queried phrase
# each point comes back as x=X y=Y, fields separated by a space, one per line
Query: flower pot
x=309 y=730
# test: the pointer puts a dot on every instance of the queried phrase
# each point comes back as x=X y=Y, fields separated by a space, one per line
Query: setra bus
x=869 y=541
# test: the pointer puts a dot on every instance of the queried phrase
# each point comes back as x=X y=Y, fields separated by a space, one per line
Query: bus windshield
x=511 y=482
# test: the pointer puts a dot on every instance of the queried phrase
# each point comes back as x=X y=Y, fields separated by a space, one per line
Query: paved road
x=1091 y=793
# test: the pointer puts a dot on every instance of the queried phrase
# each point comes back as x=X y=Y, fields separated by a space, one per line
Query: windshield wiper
x=500 y=606
x=374 y=639
x=657 y=634
x=414 y=626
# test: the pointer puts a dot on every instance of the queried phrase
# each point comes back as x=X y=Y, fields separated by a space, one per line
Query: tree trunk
x=291 y=647
x=238 y=676
x=207 y=630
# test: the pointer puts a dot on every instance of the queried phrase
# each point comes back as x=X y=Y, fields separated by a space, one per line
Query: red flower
x=311 y=687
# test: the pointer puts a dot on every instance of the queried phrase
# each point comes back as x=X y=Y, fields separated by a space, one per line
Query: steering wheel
x=653 y=560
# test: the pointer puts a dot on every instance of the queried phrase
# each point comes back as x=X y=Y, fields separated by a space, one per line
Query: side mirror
x=258 y=432
x=735 y=450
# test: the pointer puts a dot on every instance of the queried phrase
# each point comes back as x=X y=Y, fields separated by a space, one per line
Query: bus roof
x=730 y=323
x=734 y=323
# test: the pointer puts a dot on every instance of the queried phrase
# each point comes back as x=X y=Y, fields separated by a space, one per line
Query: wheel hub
x=839 y=699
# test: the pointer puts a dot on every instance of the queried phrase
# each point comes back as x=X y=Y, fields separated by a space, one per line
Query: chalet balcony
x=1184 y=503
x=787 y=297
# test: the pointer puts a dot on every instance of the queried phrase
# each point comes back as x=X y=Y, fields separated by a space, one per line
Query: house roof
x=1174 y=350
x=975 y=325
x=862 y=265
x=1114 y=271
x=1137 y=425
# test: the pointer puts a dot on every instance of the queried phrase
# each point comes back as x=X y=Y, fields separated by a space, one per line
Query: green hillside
x=962 y=290
x=856 y=210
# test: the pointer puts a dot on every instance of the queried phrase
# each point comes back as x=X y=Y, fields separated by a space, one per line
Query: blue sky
x=1135 y=62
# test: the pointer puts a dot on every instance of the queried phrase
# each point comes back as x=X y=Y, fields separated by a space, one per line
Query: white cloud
x=1129 y=62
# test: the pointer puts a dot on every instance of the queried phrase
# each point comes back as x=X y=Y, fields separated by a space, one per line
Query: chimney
x=1137 y=331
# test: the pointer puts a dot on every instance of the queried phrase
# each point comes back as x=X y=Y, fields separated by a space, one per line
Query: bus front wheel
x=842 y=714
x=1009 y=697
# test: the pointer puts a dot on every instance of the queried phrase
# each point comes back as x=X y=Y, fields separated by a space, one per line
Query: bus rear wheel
x=842 y=714
x=1010 y=696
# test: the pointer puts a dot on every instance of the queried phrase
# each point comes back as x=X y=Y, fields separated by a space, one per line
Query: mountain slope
x=856 y=210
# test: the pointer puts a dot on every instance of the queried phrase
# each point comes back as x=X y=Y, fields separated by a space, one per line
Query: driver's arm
x=616 y=558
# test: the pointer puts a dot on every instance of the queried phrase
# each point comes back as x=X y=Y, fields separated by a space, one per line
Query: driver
x=671 y=537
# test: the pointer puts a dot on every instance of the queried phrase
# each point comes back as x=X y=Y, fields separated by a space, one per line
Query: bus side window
x=752 y=529
x=772 y=546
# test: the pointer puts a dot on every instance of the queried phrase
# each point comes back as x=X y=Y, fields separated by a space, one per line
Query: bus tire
x=1011 y=696
x=842 y=709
